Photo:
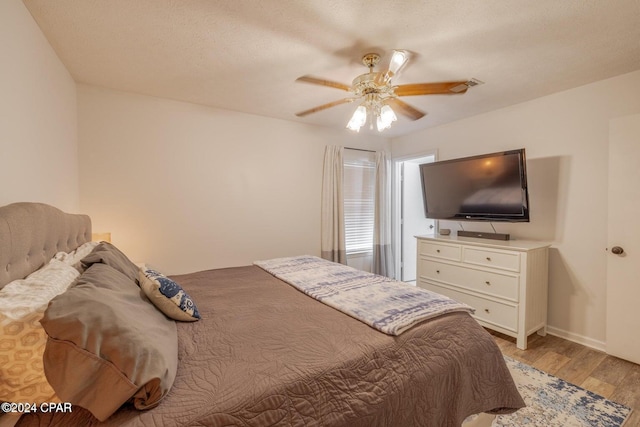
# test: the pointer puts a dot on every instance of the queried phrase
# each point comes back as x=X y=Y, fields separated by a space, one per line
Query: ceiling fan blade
x=405 y=109
x=323 y=82
x=324 y=107
x=442 y=88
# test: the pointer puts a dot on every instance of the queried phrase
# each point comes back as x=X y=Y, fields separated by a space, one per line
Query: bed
x=263 y=353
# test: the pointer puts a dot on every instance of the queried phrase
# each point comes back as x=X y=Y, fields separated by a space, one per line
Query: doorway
x=408 y=213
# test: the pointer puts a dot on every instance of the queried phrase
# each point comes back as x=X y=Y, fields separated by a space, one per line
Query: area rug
x=552 y=402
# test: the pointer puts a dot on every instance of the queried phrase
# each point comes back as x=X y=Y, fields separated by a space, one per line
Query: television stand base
x=480 y=235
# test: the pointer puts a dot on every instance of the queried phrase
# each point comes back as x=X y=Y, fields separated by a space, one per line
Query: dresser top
x=517 y=245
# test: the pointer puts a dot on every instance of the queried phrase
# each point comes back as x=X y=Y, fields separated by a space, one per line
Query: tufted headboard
x=31 y=233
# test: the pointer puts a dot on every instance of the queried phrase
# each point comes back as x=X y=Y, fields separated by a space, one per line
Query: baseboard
x=577 y=338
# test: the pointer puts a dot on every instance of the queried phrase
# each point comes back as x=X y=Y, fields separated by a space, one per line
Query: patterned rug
x=554 y=402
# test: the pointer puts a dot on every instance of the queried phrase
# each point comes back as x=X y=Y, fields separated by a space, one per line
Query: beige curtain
x=332 y=243
x=382 y=254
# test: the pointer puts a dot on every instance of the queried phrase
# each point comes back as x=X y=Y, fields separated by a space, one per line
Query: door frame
x=396 y=204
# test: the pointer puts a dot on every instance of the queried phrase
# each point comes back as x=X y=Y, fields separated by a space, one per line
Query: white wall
x=38 y=143
x=186 y=187
x=566 y=138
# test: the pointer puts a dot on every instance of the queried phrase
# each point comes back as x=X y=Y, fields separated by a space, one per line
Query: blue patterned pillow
x=168 y=296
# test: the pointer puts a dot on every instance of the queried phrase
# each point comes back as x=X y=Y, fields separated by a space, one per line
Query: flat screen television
x=489 y=187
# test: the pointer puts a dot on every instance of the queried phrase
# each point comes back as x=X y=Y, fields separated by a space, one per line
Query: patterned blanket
x=387 y=305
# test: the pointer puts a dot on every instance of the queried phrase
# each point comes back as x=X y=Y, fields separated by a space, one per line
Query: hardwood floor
x=608 y=376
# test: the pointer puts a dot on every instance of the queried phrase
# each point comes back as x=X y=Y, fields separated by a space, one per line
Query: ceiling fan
x=379 y=94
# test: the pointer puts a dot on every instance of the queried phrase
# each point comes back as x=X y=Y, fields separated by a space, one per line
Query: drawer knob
x=438 y=271
x=438 y=250
x=488 y=258
x=488 y=283
x=486 y=310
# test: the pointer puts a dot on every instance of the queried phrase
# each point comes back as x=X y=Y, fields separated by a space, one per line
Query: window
x=359 y=201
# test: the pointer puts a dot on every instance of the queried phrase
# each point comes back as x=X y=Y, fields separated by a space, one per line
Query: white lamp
x=358 y=119
x=398 y=59
x=385 y=118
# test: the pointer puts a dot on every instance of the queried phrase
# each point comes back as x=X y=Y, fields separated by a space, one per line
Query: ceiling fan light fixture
x=358 y=119
x=398 y=59
x=381 y=125
x=385 y=118
x=387 y=114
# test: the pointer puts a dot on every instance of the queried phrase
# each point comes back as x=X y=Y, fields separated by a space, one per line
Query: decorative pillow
x=107 y=344
x=22 y=305
x=108 y=254
x=168 y=296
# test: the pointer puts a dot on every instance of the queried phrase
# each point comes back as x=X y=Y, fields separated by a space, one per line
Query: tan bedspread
x=265 y=354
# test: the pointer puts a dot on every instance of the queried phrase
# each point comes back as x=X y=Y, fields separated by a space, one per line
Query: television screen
x=490 y=187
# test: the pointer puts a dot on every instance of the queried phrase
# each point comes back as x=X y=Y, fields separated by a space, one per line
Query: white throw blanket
x=387 y=305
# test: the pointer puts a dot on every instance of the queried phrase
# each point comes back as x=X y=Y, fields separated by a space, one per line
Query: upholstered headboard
x=31 y=233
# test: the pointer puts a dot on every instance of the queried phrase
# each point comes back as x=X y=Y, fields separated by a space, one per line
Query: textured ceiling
x=244 y=55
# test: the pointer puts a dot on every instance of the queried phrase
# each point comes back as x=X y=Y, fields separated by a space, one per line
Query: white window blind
x=359 y=204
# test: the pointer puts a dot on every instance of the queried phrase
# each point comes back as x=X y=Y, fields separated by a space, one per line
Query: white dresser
x=505 y=281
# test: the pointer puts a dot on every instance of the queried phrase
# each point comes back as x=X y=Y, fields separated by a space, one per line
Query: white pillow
x=22 y=305
x=74 y=257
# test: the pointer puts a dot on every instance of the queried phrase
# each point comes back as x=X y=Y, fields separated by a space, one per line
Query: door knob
x=617 y=250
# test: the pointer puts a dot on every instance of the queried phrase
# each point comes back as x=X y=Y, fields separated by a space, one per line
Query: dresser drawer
x=493 y=312
x=497 y=259
x=495 y=284
x=440 y=250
